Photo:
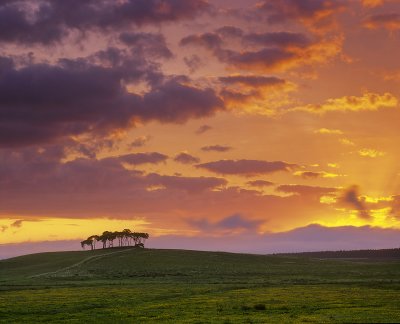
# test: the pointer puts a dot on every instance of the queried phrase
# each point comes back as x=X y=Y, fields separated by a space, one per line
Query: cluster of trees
x=125 y=238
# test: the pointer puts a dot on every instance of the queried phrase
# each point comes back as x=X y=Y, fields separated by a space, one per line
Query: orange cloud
x=372 y=3
x=368 y=102
x=319 y=16
x=314 y=175
x=346 y=141
x=371 y=153
x=389 y=21
x=327 y=131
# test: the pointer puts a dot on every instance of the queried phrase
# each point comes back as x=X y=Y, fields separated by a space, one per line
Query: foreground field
x=132 y=285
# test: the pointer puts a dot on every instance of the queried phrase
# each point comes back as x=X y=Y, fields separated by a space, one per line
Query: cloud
x=252 y=80
x=140 y=141
x=140 y=158
x=246 y=167
x=371 y=153
x=279 y=39
x=346 y=141
x=368 y=102
x=306 y=190
x=51 y=21
x=372 y=3
x=260 y=183
x=326 y=131
x=273 y=51
x=17 y=223
x=147 y=44
x=216 y=148
x=44 y=103
x=189 y=184
x=228 y=224
x=254 y=93
x=315 y=175
x=351 y=197
x=193 y=62
x=203 y=129
x=315 y=14
x=165 y=103
x=389 y=21
x=186 y=158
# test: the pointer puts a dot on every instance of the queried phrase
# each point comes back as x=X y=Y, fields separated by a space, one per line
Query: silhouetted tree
x=87 y=242
x=125 y=238
x=94 y=239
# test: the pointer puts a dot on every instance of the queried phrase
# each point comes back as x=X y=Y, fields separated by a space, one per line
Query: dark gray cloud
x=306 y=190
x=193 y=62
x=140 y=158
x=280 y=39
x=310 y=174
x=203 y=129
x=389 y=21
x=217 y=148
x=41 y=103
x=246 y=167
x=189 y=184
x=268 y=50
x=260 y=183
x=312 y=13
x=42 y=181
x=230 y=31
x=351 y=197
x=146 y=44
x=186 y=158
x=51 y=20
x=252 y=80
x=17 y=223
x=174 y=102
x=140 y=141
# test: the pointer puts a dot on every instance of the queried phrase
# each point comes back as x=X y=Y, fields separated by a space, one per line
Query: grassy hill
x=131 y=285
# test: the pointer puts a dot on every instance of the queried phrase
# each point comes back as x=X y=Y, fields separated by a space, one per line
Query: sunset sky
x=195 y=120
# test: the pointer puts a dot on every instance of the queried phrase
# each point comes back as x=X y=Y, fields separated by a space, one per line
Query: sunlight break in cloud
x=371 y=153
x=368 y=102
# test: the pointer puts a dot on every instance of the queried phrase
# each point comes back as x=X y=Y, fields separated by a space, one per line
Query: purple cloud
x=54 y=19
x=186 y=158
x=351 y=197
x=43 y=103
x=260 y=183
x=216 y=148
x=245 y=167
x=306 y=190
x=203 y=129
x=231 y=223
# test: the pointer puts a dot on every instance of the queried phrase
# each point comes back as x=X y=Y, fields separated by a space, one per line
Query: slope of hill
x=131 y=285
x=356 y=254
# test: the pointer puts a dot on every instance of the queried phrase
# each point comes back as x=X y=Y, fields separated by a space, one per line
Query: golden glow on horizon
x=53 y=229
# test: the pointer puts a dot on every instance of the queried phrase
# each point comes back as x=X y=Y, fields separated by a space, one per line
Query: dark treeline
x=124 y=238
x=367 y=254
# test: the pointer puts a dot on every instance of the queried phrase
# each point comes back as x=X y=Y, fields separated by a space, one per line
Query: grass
x=169 y=286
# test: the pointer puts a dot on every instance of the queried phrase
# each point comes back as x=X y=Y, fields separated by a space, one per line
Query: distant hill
x=359 y=254
x=144 y=264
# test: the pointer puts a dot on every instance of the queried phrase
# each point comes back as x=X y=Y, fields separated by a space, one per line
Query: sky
x=249 y=126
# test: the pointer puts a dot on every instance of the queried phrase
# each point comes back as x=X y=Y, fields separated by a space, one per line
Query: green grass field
x=145 y=286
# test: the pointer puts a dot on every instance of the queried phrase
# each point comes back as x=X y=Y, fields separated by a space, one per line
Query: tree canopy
x=124 y=238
